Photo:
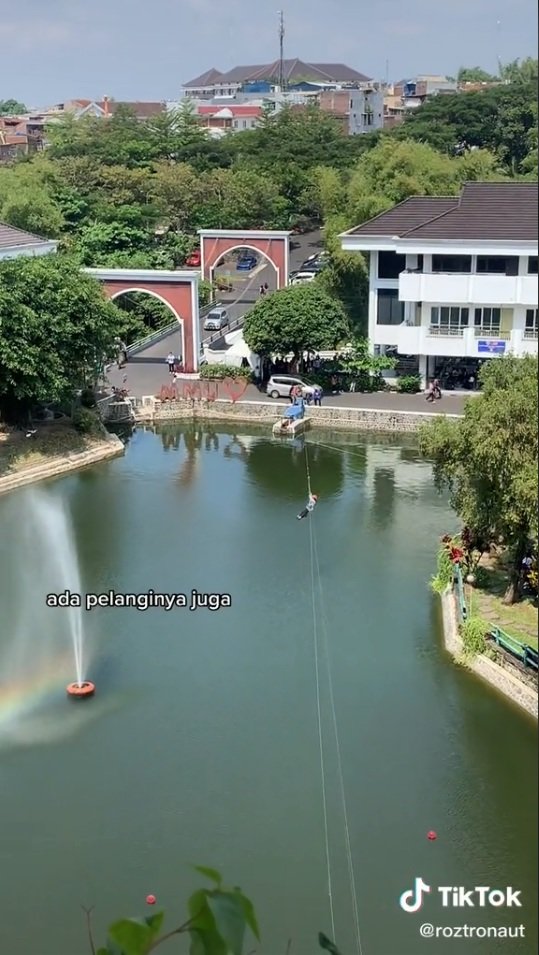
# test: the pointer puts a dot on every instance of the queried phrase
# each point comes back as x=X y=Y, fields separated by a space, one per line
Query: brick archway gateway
x=272 y=245
x=177 y=290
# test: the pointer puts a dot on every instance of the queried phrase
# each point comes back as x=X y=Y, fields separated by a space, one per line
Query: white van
x=301 y=278
x=216 y=319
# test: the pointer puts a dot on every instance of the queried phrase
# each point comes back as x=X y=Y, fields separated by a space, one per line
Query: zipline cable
x=315 y=565
x=319 y=716
x=353 y=889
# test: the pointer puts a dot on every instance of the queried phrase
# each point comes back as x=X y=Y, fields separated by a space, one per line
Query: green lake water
x=201 y=745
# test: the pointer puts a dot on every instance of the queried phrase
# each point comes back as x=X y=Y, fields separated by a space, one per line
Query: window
x=449 y=319
x=532 y=265
x=452 y=263
x=390 y=310
x=531 y=323
x=390 y=265
x=497 y=264
x=488 y=319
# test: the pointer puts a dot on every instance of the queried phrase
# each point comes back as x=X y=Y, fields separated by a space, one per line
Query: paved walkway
x=148 y=378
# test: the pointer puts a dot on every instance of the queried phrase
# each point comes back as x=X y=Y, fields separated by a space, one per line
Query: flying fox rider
x=313 y=499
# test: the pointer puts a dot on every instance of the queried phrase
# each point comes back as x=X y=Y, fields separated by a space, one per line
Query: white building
x=16 y=242
x=453 y=280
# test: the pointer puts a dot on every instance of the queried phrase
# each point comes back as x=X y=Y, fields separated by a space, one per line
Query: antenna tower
x=281 y=50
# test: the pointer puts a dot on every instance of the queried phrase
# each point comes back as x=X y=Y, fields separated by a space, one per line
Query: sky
x=56 y=50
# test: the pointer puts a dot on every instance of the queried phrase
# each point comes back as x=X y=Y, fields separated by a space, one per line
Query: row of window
x=390 y=265
x=391 y=312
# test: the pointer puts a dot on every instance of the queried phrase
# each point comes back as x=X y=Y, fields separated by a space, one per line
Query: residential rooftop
x=483 y=211
x=11 y=238
x=294 y=71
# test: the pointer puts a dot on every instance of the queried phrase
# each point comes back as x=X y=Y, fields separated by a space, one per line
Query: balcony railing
x=530 y=334
x=446 y=331
x=482 y=331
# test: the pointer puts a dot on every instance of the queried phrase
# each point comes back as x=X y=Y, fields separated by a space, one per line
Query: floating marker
x=432 y=835
x=151 y=899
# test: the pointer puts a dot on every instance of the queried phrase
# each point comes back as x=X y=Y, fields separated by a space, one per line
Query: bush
x=473 y=632
x=409 y=384
x=445 y=573
x=219 y=372
x=87 y=398
x=86 y=421
x=364 y=382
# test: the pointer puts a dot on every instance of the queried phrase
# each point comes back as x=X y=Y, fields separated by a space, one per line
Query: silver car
x=280 y=386
x=216 y=320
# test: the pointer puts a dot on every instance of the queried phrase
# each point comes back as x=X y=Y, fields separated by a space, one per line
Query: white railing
x=161 y=333
x=482 y=332
x=445 y=331
x=530 y=334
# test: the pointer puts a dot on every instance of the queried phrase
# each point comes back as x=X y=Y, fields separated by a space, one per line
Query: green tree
x=11 y=107
x=488 y=460
x=520 y=71
x=178 y=192
x=295 y=319
x=56 y=331
x=475 y=74
x=33 y=211
x=345 y=276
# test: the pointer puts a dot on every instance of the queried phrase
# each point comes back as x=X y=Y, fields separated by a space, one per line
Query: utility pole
x=281 y=50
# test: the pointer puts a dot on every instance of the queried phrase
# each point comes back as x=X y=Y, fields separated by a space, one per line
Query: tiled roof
x=16 y=238
x=239 y=111
x=485 y=210
x=293 y=70
x=407 y=215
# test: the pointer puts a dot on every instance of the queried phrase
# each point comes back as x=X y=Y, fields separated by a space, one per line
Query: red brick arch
x=177 y=290
x=273 y=245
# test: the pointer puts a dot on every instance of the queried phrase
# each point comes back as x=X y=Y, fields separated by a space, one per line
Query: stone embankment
x=60 y=464
x=337 y=418
x=501 y=678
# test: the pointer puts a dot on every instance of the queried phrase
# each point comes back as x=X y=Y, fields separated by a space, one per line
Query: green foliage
x=217 y=923
x=473 y=632
x=11 y=107
x=445 y=571
x=295 y=319
x=87 y=398
x=86 y=421
x=488 y=460
x=475 y=74
x=219 y=372
x=409 y=384
x=56 y=331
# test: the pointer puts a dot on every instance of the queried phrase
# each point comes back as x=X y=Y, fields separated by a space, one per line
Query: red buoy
x=80 y=691
x=151 y=899
x=432 y=835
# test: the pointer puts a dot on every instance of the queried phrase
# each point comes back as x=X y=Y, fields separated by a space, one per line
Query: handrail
x=461 y=597
x=165 y=330
x=237 y=323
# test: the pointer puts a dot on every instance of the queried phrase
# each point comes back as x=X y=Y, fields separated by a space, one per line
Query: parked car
x=246 y=262
x=301 y=278
x=193 y=260
x=216 y=319
x=280 y=386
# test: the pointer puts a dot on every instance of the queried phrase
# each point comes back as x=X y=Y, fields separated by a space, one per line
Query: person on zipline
x=313 y=498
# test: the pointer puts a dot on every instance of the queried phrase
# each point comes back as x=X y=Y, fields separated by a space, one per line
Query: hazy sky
x=54 y=50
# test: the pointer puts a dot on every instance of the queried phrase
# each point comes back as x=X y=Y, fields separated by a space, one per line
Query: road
x=244 y=295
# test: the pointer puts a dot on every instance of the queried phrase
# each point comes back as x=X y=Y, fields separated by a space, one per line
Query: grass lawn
x=17 y=452
x=519 y=620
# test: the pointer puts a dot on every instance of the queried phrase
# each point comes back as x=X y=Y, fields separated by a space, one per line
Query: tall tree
x=475 y=74
x=56 y=331
x=488 y=460
x=11 y=107
x=296 y=319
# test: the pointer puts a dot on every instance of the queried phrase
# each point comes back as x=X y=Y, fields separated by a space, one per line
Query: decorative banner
x=494 y=346
x=235 y=388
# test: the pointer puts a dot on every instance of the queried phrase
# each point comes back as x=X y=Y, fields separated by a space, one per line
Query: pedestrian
x=262 y=290
x=170 y=360
x=318 y=396
x=266 y=286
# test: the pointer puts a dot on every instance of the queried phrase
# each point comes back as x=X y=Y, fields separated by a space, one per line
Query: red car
x=193 y=261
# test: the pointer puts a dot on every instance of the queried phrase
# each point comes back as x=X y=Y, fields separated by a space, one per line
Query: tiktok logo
x=412 y=899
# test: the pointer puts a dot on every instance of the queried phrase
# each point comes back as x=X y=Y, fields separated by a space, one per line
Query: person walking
x=317 y=396
x=170 y=360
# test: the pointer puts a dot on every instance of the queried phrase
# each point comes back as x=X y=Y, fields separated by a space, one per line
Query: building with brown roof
x=262 y=78
x=453 y=279
x=16 y=242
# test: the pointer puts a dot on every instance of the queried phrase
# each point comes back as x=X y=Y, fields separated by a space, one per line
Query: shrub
x=86 y=421
x=445 y=573
x=473 y=632
x=87 y=398
x=409 y=384
x=225 y=371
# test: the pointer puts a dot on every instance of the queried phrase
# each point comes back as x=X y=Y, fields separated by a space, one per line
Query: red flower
x=456 y=554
